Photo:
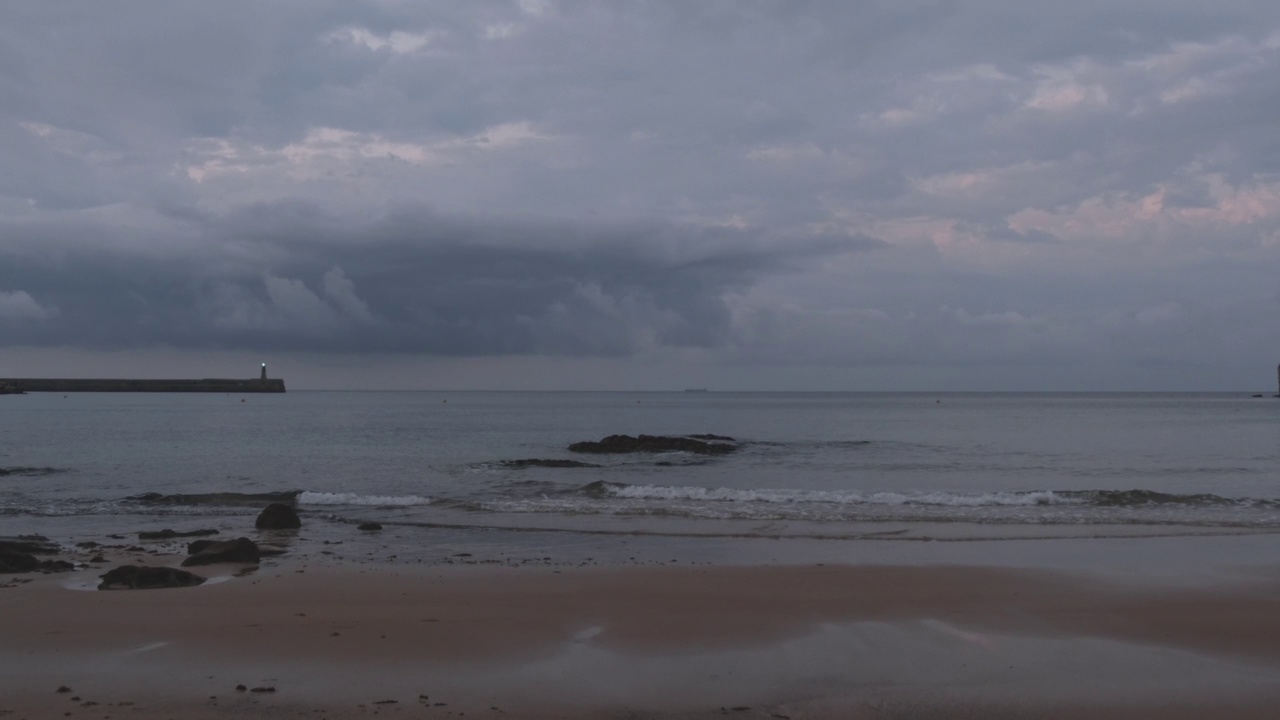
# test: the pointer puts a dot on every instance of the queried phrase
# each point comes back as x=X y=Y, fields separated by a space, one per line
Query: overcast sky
x=536 y=194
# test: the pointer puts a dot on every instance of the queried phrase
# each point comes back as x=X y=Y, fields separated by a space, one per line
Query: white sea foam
x=840 y=497
x=324 y=498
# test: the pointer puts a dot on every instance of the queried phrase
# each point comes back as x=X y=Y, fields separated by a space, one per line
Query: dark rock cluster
x=18 y=555
x=14 y=563
x=241 y=550
x=167 y=534
x=696 y=444
x=29 y=544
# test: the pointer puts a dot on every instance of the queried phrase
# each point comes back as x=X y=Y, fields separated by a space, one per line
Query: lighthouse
x=264 y=372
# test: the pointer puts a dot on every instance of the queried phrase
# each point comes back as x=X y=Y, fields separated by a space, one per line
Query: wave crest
x=326 y=498
x=602 y=489
x=1024 y=498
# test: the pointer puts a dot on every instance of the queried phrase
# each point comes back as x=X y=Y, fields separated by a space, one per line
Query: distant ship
x=696 y=390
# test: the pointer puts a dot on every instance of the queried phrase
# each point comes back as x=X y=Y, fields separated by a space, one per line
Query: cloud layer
x=918 y=192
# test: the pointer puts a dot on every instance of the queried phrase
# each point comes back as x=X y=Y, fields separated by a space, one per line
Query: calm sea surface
x=807 y=462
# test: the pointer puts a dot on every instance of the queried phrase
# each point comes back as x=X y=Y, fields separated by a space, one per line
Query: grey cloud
x=626 y=179
x=1002 y=231
x=18 y=305
x=342 y=292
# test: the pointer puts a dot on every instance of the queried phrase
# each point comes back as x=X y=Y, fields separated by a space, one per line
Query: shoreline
x=796 y=640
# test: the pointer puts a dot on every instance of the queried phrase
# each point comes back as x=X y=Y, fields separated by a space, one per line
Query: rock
x=547 y=463
x=167 y=533
x=240 y=550
x=29 y=471
x=133 y=577
x=221 y=499
x=263 y=550
x=278 y=516
x=29 y=544
x=709 y=436
x=652 y=444
x=12 y=563
x=369 y=526
x=16 y=562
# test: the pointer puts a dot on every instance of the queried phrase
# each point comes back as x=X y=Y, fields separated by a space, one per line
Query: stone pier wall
x=211 y=385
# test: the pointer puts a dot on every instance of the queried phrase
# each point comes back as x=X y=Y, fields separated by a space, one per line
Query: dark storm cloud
x=289 y=277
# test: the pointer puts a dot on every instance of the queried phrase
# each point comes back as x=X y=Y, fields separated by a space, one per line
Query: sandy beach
x=783 y=641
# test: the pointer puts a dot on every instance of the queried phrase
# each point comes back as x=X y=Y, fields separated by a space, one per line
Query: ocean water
x=806 y=464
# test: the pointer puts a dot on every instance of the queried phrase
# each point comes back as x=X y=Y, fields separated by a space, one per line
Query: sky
x=545 y=194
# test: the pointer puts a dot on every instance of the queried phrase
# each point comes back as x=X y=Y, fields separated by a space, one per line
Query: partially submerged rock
x=18 y=555
x=29 y=544
x=240 y=550
x=55 y=566
x=547 y=463
x=652 y=444
x=369 y=526
x=134 y=577
x=167 y=534
x=263 y=549
x=221 y=499
x=278 y=516
x=29 y=471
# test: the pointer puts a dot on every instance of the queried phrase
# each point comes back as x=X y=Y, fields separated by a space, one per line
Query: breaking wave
x=325 y=498
x=1097 y=498
x=603 y=489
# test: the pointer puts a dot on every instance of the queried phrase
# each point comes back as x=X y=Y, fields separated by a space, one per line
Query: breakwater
x=206 y=385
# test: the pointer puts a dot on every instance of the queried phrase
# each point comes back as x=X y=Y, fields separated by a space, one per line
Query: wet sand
x=766 y=641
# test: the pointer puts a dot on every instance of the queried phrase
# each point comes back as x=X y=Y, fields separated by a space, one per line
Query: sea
x=442 y=470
